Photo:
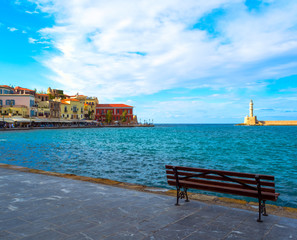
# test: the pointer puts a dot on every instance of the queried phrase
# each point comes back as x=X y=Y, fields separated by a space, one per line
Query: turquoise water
x=138 y=155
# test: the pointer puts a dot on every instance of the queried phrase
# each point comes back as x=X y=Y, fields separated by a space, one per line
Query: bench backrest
x=244 y=184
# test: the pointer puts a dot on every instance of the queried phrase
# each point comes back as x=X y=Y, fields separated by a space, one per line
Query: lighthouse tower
x=251 y=120
x=251 y=108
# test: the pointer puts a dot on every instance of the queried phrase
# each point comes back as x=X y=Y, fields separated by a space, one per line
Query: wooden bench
x=257 y=186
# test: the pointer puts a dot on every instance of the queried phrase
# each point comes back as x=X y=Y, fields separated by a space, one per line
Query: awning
x=20 y=119
x=8 y=120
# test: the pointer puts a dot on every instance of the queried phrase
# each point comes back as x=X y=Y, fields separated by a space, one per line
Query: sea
x=139 y=155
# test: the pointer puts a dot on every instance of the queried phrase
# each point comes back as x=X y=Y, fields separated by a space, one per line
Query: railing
x=16 y=106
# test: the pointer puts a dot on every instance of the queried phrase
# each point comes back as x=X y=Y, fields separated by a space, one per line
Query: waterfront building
x=90 y=104
x=72 y=109
x=48 y=108
x=18 y=105
x=43 y=109
x=252 y=120
x=5 y=89
x=40 y=97
x=55 y=108
x=117 y=110
x=20 y=90
x=56 y=93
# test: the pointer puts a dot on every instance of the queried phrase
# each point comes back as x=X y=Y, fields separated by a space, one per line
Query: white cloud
x=34 y=12
x=123 y=48
x=32 y=40
x=12 y=29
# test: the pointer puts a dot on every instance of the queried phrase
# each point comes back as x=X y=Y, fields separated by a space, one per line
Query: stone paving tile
x=38 y=214
x=173 y=231
x=11 y=223
x=130 y=233
x=7 y=235
x=239 y=235
x=74 y=227
x=64 y=219
x=102 y=231
x=280 y=231
x=46 y=235
x=30 y=228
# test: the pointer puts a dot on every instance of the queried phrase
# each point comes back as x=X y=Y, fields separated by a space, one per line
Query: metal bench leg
x=177 y=196
x=186 y=192
x=264 y=208
x=260 y=211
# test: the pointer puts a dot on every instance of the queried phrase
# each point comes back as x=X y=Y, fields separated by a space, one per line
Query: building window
x=31 y=103
x=0 y=91
x=0 y=102
x=12 y=102
x=118 y=111
x=102 y=112
x=7 y=102
x=65 y=109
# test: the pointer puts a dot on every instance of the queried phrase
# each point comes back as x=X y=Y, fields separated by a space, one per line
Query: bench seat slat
x=235 y=191
x=228 y=173
x=223 y=184
x=216 y=177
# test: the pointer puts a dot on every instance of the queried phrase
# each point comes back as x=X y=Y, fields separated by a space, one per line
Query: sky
x=175 y=61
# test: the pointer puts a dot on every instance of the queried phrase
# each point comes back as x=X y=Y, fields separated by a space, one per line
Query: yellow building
x=43 y=109
x=89 y=105
x=14 y=111
x=72 y=109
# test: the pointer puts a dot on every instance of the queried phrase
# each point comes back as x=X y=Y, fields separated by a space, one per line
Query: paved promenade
x=35 y=206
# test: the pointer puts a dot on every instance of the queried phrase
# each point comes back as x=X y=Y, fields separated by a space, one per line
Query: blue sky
x=175 y=61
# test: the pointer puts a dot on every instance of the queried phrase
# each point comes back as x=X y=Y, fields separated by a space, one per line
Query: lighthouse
x=251 y=109
x=251 y=119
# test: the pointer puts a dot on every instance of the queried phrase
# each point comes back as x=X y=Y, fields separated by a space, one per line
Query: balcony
x=14 y=106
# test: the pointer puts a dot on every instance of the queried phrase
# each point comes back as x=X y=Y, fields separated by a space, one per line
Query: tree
x=89 y=114
x=51 y=96
x=123 y=117
x=108 y=116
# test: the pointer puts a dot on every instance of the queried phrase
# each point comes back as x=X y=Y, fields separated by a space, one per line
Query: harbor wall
x=278 y=123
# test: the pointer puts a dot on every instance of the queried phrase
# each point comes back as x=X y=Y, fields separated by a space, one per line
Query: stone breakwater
x=269 y=123
x=278 y=123
x=222 y=201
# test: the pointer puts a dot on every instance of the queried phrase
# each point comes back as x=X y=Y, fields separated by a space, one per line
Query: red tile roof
x=25 y=89
x=69 y=100
x=113 y=106
x=6 y=86
x=41 y=94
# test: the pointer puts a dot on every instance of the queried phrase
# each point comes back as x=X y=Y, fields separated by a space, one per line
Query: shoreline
x=71 y=127
x=222 y=201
